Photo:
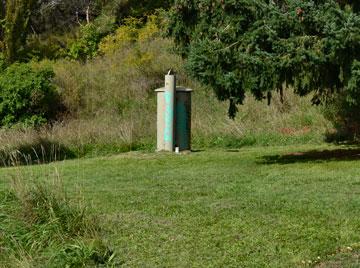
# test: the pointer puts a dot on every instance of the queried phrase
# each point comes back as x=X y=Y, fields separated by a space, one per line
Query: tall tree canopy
x=235 y=46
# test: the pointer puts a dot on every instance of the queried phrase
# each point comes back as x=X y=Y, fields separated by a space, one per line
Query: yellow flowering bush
x=134 y=30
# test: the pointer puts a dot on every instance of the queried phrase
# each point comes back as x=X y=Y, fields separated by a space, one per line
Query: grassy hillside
x=257 y=207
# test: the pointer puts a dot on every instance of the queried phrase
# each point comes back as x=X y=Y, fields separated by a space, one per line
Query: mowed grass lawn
x=256 y=207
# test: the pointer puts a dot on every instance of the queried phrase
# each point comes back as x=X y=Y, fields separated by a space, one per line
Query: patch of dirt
x=341 y=261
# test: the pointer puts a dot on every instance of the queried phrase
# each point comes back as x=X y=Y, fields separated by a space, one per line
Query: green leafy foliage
x=260 y=46
x=27 y=95
x=87 y=45
x=30 y=19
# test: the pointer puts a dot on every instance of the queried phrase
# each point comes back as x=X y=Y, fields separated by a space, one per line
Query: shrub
x=27 y=95
x=123 y=36
x=48 y=46
x=87 y=45
x=132 y=31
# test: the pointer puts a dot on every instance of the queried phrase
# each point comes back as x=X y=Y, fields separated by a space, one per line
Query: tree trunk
x=17 y=21
x=2 y=17
x=88 y=14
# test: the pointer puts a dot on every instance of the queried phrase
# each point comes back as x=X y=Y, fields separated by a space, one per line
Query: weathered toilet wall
x=173 y=116
x=183 y=119
x=166 y=115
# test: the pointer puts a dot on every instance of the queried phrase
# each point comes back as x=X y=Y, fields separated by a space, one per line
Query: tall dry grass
x=295 y=120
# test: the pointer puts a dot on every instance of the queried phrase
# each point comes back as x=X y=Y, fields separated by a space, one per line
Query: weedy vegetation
x=42 y=227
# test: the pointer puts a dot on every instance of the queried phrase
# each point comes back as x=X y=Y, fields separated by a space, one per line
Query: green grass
x=253 y=207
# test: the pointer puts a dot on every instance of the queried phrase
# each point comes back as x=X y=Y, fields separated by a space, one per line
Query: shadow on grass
x=40 y=152
x=197 y=151
x=349 y=154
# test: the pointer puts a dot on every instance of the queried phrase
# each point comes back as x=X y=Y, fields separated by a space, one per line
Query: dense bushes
x=27 y=95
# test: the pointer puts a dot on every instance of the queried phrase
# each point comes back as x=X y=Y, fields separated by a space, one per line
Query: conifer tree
x=258 y=46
